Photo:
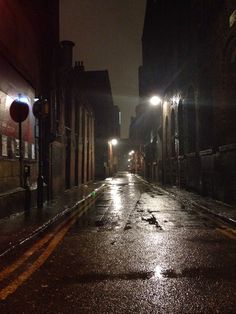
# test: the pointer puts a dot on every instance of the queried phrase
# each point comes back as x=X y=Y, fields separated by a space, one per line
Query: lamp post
x=132 y=161
x=155 y=101
x=111 y=143
x=40 y=111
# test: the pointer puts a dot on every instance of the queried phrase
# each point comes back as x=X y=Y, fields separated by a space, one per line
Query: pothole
x=151 y=219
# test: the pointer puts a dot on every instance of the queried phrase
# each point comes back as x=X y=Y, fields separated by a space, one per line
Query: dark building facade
x=189 y=57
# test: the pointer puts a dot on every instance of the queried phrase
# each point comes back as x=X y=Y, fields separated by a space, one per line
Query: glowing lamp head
x=114 y=142
x=155 y=100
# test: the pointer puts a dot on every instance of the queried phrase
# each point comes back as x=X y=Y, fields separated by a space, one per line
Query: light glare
x=114 y=141
x=155 y=100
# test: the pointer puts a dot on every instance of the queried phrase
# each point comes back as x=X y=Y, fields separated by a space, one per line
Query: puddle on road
x=99 y=277
x=151 y=219
x=204 y=272
x=159 y=273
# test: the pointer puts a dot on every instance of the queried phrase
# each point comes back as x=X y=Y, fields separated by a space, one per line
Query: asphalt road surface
x=137 y=250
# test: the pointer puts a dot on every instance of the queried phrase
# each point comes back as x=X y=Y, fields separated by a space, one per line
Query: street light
x=114 y=141
x=40 y=111
x=155 y=100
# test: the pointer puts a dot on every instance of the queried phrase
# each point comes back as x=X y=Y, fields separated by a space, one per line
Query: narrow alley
x=136 y=250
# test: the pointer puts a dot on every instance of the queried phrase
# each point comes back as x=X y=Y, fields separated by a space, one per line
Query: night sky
x=107 y=34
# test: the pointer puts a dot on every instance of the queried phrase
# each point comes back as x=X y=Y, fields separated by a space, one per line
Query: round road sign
x=19 y=111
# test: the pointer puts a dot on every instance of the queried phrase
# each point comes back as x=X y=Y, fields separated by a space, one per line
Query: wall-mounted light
x=114 y=142
x=155 y=100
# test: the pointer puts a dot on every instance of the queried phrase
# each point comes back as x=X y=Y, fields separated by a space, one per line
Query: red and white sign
x=10 y=128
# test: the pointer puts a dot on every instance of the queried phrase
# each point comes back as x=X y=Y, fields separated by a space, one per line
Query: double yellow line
x=50 y=241
x=228 y=232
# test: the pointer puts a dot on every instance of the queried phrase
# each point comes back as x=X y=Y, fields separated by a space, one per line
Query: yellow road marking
x=56 y=238
x=230 y=233
x=8 y=270
x=4 y=293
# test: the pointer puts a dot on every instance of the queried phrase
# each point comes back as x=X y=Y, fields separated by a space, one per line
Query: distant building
x=86 y=120
x=189 y=60
x=129 y=156
x=72 y=143
x=107 y=124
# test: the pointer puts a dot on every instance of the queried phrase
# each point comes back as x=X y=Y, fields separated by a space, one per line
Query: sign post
x=19 y=112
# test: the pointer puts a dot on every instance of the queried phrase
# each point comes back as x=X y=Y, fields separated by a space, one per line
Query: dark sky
x=108 y=35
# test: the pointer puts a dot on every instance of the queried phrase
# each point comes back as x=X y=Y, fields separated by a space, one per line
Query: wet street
x=137 y=250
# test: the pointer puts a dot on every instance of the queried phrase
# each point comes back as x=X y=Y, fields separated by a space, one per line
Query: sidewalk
x=215 y=208
x=18 y=228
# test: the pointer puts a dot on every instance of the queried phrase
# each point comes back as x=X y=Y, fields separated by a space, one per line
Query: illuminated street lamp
x=111 y=165
x=114 y=141
x=156 y=100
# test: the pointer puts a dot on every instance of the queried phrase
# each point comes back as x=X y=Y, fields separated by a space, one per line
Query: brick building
x=27 y=50
x=189 y=59
x=71 y=150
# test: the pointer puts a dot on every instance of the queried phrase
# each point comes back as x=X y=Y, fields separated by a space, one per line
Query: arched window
x=206 y=117
x=191 y=121
x=232 y=83
x=181 y=127
x=173 y=133
x=229 y=111
x=166 y=137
